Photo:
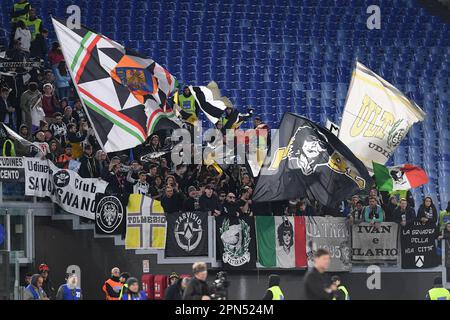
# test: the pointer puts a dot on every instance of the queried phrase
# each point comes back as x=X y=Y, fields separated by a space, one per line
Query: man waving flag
x=124 y=94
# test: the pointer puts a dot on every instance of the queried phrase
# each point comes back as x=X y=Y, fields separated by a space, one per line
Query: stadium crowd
x=46 y=110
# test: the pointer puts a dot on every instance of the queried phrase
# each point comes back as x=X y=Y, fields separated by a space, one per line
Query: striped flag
x=123 y=93
x=146 y=223
x=281 y=242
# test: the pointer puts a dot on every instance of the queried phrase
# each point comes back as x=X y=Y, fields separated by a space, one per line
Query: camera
x=220 y=287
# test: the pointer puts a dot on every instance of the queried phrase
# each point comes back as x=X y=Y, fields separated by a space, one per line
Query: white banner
x=65 y=187
x=376 y=117
x=375 y=244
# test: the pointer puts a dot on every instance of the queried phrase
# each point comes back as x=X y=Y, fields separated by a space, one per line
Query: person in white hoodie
x=23 y=35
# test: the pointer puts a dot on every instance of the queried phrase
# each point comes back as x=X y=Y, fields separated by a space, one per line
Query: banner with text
x=333 y=235
x=375 y=243
x=64 y=187
x=418 y=245
x=11 y=169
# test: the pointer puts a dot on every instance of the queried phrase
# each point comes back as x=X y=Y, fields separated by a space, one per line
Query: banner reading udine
x=146 y=223
x=333 y=235
x=376 y=118
x=65 y=187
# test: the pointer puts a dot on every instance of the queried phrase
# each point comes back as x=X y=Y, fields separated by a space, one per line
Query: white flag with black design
x=208 y=101
x=376 y=117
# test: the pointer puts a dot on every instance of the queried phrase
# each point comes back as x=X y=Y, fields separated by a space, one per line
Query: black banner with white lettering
x=12 y=169
x=236 y=242
x=110 y=214
x=187 y=234
x=418 y=246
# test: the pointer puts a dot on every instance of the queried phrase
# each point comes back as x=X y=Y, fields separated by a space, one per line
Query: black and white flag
x=110 y=214
x=187 y=234
x=209 y=102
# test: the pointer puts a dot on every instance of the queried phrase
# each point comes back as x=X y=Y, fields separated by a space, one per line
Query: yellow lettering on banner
x=388 y=119
x=337 y=163
x=372 y=129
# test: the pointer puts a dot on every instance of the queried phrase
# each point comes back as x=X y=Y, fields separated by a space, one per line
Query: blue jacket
x=134 y=296
x=65 y=293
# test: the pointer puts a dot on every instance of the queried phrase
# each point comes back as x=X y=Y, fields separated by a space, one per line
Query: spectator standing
x=63 y=160
x=89 y=167
x=76 y=138
x=389 y=208
x=49 y=101
x=62 y=78
x=69 y=290
x=304 y=209
x=23 y=35
x=403 y=214
x=191 y=203
x=7 y=111
x=141 y=186
x=58 y=128
x=34 y=290
x=39 y=47
x=230 y=207
x=55 y=55
x=427 y=211
x=28 y=99
x=78 y=112
x=444 y=217
x=68 y=112
x=40 y=142
x=245 y=202
x=373 y=212
x=172 y=201
x=209 y=202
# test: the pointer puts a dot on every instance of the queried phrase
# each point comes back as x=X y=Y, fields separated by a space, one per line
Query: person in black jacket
x=172 y=201
x=39 y=48
x=208 y=201
x=427 y=211
x=176 y=290
x=197 y=288
x=316 y=284
x=89 y=167
x=403 y=214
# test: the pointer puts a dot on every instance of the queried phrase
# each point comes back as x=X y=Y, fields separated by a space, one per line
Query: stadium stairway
x=290 y=55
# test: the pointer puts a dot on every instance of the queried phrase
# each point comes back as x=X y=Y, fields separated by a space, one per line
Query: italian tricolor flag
x=402 y=177
x=281 y=242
